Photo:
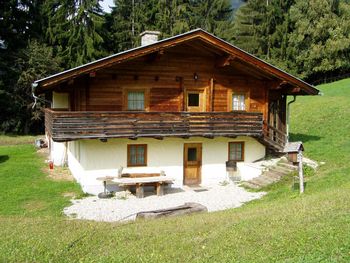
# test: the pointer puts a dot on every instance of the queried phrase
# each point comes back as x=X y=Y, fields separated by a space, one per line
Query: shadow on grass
x=4 y=158
x=303 y=137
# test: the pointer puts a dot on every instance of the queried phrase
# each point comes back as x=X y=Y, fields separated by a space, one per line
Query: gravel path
x=124 y=206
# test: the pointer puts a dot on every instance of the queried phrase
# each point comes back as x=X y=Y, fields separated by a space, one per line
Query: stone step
x=287 y=165
x=262 y=181
x=272 y=177
x=274 y=174
x=280 y=169
x=249 y=184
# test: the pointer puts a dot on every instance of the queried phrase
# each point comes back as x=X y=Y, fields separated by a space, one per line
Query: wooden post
x=300 y=169
x=160 y=189
x=211 y=100
x=139 y=191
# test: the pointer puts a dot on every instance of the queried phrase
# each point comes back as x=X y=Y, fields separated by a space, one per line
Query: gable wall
x=166 y=80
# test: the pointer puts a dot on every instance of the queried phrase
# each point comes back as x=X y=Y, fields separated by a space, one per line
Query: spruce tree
x=250 y=27
x=319 y=42
x=214 y=16
x=74 y=29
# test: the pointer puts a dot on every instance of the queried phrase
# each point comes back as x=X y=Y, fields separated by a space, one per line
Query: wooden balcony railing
x=73 y=125
x=275 y=138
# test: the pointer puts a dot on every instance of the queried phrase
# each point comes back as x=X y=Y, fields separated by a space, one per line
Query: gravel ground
x=125 y=205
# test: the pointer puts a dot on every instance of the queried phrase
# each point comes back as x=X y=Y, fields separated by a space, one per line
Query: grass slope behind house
x=283 y=226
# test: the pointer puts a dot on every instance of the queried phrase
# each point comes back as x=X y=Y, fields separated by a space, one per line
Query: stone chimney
x=149 y=37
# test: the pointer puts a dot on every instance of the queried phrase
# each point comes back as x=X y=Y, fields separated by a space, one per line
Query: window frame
x=245 y=93
x=201 y=99
x=129 y=164
x=245 y=101
x=242 y=151
x=126 y=98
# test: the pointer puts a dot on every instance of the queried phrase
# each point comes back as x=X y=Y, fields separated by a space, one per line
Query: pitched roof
x=291 y=147
x=173 y=41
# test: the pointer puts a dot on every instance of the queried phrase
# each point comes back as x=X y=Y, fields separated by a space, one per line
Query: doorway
x=192 y=163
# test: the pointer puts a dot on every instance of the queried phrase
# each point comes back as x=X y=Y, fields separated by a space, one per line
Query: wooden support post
x=139 y=191
x=160 y=189
x=211 y=96
x=300 y=170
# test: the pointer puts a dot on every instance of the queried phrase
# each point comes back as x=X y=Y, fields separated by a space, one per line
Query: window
x=136 y=100
x=137 y=155
x=236 y=151
x=192 y=154
x=238 y=102
x=193 y=99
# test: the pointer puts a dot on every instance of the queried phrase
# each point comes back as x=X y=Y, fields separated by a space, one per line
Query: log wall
x=166 y=79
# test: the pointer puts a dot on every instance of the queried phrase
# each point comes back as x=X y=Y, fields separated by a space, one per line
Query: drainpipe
x=288 y=115
x=36 y=98
x=34 y=85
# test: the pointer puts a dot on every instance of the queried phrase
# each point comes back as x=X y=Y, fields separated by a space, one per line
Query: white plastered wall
x=58 y=151
x=89 y=159
x=60 y=100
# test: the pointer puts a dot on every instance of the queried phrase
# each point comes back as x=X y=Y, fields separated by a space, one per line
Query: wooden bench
x=158 y=181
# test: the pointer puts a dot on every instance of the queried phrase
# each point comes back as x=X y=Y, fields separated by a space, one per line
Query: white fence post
x=301 y=175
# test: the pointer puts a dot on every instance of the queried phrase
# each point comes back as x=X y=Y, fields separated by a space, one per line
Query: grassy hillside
x=283 y=226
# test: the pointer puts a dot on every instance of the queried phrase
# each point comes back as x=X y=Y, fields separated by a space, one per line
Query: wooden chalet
x=184 y=105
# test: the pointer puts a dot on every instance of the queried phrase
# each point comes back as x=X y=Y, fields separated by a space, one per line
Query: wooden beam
x=155 y=56
x=203 y=40
x=276 y=85
x=211 y=95
x=224 y=61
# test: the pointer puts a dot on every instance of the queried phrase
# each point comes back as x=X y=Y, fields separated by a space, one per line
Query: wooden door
x=192 y=163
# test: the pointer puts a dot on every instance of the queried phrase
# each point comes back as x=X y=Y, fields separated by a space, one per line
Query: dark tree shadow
x=303 y=137
x=4 y=158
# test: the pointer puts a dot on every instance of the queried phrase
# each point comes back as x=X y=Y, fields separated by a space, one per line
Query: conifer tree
x=319 y=41
x=74 y=29
x=214 y=16
x=250 y=27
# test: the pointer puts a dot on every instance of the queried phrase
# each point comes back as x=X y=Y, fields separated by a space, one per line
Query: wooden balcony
x=73 y=125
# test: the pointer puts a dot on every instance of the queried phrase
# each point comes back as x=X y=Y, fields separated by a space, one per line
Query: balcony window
x=236 y=151
x=136 y=100
x=238 y=102
x=137 y=155
x=193 y=99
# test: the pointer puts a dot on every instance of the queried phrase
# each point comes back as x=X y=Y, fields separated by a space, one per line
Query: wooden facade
x=168 y=73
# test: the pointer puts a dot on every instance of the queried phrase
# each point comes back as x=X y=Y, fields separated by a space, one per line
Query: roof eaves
x=314 y=90
x=118 y=54
x=311 y=89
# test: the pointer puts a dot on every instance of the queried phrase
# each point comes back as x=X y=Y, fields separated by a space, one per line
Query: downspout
x=288 y=115
x=36 y=98
x=34 y=86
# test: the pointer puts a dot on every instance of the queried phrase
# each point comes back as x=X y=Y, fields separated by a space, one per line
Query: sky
x=105 y=4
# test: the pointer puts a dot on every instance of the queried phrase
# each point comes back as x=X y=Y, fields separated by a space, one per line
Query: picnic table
x=140 y=182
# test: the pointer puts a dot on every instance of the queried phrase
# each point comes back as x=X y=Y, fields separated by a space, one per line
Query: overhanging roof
x=173 y=41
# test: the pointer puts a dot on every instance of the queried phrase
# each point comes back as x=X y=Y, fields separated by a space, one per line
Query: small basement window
x=137 y=155
x=136 y=100
x=238 y=102
x=193 y=99
x=236 y=151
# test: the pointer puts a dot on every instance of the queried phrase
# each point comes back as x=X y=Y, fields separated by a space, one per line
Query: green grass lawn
x=283 y=226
